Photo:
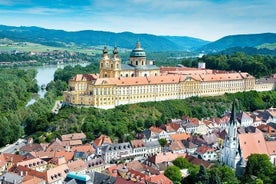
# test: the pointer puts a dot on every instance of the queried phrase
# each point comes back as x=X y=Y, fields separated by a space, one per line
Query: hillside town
x=230 y=139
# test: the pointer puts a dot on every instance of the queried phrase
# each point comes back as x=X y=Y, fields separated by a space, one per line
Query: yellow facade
x=112 y=87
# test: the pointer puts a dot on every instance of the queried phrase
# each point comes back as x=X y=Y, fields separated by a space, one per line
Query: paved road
x=12 y=148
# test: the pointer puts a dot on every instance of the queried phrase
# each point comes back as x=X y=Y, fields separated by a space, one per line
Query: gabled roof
x=210 y=138
x=9 y=157
x=271 y=147
x=68 y=155
x=32 y=179
x=56 y=145
x=58 y=160
x=198 y=161
x=86 y=148
x=203 y=149
x=180 y=137
x=77 y=166
x=35 y=162
x=155 y=129
x=137 y=143
x=176 y=145
x=164 y=157
x=102 y=139
x=160 y=179
x=143 y=167
x=31 y=147
x=56 y=173
x=74 y=136
x=252 y=143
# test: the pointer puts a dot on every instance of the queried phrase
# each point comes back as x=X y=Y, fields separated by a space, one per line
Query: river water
x=45 y=74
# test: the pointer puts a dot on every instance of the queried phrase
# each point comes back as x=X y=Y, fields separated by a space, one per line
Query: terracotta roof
x=75 y=136
x=85 y=77
x=112 y=170
x=56 y=145
x=137 y=143
x=120 y=180
x=176 y=145
x=210 y=138
x=203 y=149
x=198 y=161
x=58 y=160
x=32 y=163
x=43 y=154
x=86 y=148
x=102 y=139
x=155 y=129
x=68 y=155
x=136 y=175
x=57 y=173
x=71 y=143
x=168 y=128
x=252 y=143
x=32 y=179
x=160 y=179
x=271 y=147
x=164 y=157
x=2 y=160
x=142 y=167
x=77 y=165
x=13 y=158
x=180 y=137
x=31 y=147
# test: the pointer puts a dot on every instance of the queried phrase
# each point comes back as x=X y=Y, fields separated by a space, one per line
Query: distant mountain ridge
x=246 y=40
x=126 y=40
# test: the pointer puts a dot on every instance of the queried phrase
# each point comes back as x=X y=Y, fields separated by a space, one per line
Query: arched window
x=126 y=75
x=136 y=62
x=132 y=75
x=145 y=75
x=111 y=66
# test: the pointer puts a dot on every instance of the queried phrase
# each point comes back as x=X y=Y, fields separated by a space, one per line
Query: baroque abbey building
x=142 y=81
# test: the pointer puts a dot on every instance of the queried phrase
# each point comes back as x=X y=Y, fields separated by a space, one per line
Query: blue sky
x=205 y=19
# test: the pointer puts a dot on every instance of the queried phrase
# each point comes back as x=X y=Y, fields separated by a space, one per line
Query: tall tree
x=202 y=175
x=259 y=165
x=174 y=174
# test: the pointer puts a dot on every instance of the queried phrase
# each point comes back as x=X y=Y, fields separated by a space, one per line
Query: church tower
x=110 y=67
x=230 y=154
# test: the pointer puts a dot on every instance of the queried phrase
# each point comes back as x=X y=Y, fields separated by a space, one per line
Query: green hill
x=60 y=38
x=247 y=40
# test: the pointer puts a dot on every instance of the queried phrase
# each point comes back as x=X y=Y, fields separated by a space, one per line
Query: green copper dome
x=138 y=51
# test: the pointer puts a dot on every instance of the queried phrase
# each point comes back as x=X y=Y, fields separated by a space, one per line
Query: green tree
x=259 y=165
x=163 y=142
x=202 y=175
x=174 y=174
x=214 y=177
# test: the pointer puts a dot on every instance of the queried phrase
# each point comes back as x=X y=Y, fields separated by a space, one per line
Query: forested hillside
x=256 y=65
x=60 y=38
x=17 y=87
x=246 y=40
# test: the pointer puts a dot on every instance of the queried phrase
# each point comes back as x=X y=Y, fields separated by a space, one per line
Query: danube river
x=45 y=74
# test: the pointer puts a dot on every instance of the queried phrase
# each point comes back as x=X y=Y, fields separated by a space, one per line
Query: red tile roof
x=75 y=136
x=252 y=143
x=160 y=179
x=180 y=137
x=86 y=148
x=102 y=139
